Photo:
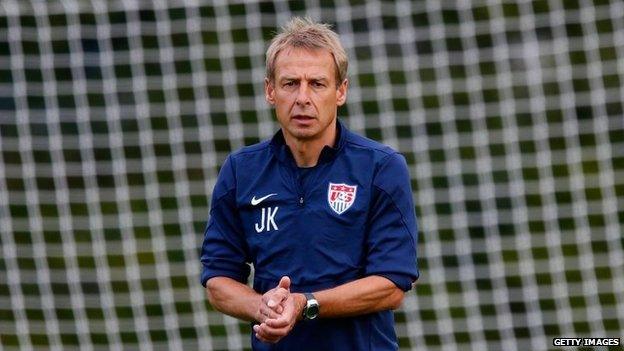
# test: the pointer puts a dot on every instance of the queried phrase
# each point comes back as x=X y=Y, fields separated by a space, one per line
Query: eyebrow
x=318 y=78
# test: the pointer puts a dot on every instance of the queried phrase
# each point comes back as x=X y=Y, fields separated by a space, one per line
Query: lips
x=302 y=117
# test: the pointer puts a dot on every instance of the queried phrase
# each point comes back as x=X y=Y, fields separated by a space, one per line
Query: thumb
x=284 y=283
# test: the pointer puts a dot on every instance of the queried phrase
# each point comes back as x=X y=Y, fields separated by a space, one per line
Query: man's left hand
x=273 y=298
x=273 y=330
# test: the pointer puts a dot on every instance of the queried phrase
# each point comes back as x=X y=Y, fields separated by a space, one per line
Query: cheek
x=284 y=97
x=327 y=102
x=282 y=106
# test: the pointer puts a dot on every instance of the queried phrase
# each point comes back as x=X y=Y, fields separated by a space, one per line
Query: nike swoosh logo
x=255 y=201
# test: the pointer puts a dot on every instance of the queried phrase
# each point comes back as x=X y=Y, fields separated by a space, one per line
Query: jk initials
x=268 y=220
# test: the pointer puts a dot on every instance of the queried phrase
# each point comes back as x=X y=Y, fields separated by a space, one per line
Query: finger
x=277 y=297
x=287 y=316
x=267 y=313
x=275 y=301
x=274 y=292
x=272 y=334
x=259 y=336
x=284 y=283
x=277 y=323
x=265 y=334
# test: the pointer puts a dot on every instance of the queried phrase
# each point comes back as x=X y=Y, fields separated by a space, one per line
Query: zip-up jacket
x=348 y=217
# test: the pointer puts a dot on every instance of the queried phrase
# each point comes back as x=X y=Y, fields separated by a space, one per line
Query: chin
x=303 y=133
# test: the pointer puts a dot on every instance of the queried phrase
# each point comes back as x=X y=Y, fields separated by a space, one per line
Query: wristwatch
x=311 y=309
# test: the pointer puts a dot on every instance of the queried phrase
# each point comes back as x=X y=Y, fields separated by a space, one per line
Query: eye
x=318 y=84
x=289 y=83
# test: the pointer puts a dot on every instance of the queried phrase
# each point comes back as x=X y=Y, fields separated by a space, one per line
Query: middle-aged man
x=325 y=216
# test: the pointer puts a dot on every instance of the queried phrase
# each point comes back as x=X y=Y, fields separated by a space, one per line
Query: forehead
x=300 y=61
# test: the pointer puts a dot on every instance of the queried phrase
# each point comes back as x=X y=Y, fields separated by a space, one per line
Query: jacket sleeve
x=224 y=251
x=392 y=234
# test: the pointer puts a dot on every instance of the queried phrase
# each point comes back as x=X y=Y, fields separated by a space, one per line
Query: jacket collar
x=328 y=153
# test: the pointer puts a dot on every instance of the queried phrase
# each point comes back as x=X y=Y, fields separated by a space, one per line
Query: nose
x=303 y=95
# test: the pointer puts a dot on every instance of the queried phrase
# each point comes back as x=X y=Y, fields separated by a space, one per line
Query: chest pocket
x=340 y=223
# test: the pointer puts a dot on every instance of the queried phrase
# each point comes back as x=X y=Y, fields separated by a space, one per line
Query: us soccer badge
x=341 y=196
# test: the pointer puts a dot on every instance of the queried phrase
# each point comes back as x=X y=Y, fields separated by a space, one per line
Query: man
x=324 y=215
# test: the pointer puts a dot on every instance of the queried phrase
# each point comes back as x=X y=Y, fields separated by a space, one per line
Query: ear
x=269 y=91
x=341 y=92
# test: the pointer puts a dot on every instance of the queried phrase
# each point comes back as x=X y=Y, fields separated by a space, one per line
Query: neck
x=306 y=152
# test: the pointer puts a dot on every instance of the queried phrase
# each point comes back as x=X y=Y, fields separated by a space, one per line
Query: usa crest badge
x=341 y=196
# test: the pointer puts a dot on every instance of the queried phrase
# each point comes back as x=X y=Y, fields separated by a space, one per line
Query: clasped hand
x=277 y=313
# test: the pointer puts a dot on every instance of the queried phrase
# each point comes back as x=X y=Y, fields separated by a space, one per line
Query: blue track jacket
x=348 y=217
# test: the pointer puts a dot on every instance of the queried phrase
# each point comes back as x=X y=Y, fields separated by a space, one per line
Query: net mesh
x=115 y=117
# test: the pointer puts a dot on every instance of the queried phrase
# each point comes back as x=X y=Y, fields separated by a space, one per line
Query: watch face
x=312 y=311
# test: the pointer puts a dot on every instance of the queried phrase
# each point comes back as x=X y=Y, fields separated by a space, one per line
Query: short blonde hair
x=307 y=34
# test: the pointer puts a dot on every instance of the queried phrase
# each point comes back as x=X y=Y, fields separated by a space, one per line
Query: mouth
x=302 y=118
